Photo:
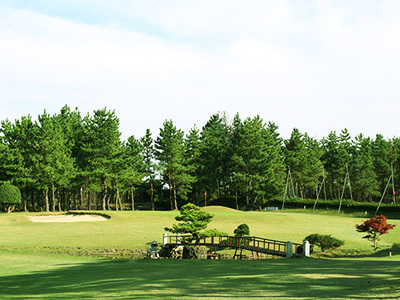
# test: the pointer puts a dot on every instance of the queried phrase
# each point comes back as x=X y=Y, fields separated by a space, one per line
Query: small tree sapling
x=375 y=227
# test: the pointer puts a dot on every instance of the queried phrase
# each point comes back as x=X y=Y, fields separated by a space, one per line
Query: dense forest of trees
x=69 y=161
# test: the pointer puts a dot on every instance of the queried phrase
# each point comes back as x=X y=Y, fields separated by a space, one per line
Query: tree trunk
x=236 y=200
x=152 y=195
x=33 y=203
x=175 y=202
x=132 y=199
x=87 y=198
x=24 y=195
x=69 y=199
x=53 y=199
x=117 y=200
x=46 y=200
x=81 y=198
x=59 y=200
x=105 y=195
x=171 y=202
x=120 y=202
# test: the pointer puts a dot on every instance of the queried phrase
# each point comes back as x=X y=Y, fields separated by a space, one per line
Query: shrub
x=375 y=227
x=325 y=242
x=10 y=195
x=212 y=232
x=242 y=230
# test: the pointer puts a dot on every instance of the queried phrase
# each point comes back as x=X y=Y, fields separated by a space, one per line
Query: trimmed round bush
x=9 y=194
x=242 y=230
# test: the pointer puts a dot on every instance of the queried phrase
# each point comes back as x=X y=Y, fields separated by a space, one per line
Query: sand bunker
x=69 y=218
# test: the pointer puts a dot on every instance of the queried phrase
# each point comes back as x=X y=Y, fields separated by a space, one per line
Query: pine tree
x=102 y=150
x=133 y=167
x=216 y=157
x=257 y=162
x=382 y=161
x=19 y=145
x=365 y=185
x=171 y=155
x=53 y=161
x=192 y=160
x=338 y=151
x=150 y=166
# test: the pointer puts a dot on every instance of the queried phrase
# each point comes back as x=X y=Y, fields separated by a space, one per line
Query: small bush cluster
x=212 y=232
x=324 y=241
x=242 y=230
x=10 y=195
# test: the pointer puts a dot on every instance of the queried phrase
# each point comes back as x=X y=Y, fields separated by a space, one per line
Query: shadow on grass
x=386 y=252
x=284 y=278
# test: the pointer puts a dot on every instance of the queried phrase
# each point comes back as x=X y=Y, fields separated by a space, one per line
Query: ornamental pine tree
x=192 y=219
x=375 y=227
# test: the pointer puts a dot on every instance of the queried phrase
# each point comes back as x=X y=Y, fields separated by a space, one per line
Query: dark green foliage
x=324 y=241
x=212 y=232
x=132 y=168
x=73 y=162
x=303 y=157
x=192 y=159
x=365 y=182
x=192 y=219
x=10 y=195
x=257 y=163
x=215 y=156
x=170 y=151
x=337 y=152
x=242 y=230
x=149 y=165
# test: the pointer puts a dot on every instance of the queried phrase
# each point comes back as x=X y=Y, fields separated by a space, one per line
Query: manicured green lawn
x=30 y=269
x=134 y=229
x=62 y=277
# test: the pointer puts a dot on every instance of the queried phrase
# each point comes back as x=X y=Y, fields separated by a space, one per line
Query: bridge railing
x=252 y=243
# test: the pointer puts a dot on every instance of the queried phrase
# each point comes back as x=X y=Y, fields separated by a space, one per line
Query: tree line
x=69 y=161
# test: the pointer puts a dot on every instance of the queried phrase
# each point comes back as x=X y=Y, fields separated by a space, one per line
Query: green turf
x=29 y=267
x=60 y=277
x=135 y=229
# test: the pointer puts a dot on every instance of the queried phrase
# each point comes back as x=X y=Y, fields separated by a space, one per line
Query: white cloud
x=315 y=65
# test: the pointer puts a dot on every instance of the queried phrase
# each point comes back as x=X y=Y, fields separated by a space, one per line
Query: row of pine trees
x=69 y=161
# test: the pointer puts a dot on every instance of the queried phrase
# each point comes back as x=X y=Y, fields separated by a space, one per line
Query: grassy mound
x=219 y=208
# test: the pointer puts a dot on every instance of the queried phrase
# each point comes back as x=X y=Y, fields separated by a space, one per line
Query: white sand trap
x=69 y=218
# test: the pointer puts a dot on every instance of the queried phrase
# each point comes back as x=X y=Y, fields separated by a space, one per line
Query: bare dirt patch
x=68 y=218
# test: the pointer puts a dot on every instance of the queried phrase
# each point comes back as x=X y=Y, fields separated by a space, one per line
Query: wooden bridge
x=239 y=243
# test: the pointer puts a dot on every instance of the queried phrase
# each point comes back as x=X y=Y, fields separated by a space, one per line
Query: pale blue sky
x=318 y=66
